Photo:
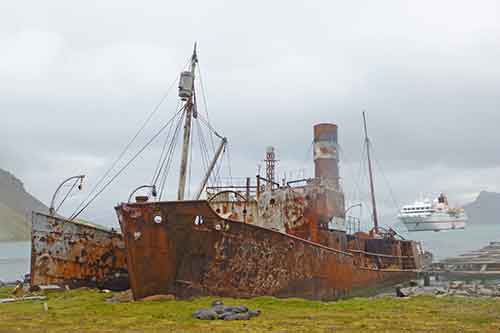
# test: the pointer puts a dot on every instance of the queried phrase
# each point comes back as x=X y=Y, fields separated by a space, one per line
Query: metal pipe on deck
x=248 y=189
x=257 y=194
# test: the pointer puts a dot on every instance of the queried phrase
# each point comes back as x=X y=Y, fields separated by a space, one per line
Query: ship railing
x=382 y=261
x=352 y=224
x=252 y=188
x=243 y=186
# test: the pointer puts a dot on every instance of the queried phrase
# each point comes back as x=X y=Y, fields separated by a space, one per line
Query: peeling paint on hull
x=75 y=254
x=185 y=248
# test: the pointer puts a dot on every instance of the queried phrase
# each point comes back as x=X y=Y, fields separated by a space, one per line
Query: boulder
x=225 y=314
x=219 y=311
x=205 y=314
x=254 y=313
x=217 y=302
x=403 y=292
x=238 y=316
x=460 y=292
x=482 y=291
x=456 y=284
x=240 y=309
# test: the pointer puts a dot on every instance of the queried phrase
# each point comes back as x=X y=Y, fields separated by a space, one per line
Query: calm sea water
x=15 y=256
x=450 y=243
x=14 y=260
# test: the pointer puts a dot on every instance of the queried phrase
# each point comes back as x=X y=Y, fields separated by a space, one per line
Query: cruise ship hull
x=433 y=223
x=185 y=248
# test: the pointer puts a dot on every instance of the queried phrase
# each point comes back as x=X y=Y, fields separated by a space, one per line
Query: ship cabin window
x=417 y=210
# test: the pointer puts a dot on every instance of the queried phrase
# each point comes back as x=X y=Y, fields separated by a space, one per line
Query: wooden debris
x=159 y=298
x=19 y=299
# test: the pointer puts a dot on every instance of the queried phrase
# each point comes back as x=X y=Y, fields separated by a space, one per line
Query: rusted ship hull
x=185 y=248
x=74 y=254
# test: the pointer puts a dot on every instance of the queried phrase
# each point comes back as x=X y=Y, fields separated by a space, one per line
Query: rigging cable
x=393 y=197
x=356 y=187
x=163 y=155
x=307 y=158
x=203 y=150
x=219 y=167
x=67 y=194
x=127 y=146
x=226 y=150
x=124 y=167
x=170 y=154
x=360 y=180
x=204 y=95
x=391 y=192
x=205 y=122
x=209 y=126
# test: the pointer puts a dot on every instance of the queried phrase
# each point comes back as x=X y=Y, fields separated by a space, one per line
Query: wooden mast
x=190 y=106
x=372 y=190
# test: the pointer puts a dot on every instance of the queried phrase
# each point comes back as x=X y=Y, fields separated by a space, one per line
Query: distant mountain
x=16 y=206
x=485 y=209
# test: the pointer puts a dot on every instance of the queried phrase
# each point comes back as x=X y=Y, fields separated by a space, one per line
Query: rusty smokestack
x=326 y=158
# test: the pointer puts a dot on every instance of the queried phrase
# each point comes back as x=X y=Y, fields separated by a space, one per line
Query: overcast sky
x=78 y=78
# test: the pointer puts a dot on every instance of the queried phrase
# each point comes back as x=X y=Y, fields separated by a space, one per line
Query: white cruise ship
x=432 y=216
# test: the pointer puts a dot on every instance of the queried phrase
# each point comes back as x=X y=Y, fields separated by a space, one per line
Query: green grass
x=87 y=311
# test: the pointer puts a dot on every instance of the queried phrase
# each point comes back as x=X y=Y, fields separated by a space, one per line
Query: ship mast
x=186 y=92
x=372 y=190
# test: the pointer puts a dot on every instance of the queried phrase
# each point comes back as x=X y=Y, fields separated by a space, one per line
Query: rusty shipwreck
x=76 y=254
x=265 y=237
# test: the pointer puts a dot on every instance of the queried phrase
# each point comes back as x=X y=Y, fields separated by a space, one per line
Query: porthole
x=198 y=220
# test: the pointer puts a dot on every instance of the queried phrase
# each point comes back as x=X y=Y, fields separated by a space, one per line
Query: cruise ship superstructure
x=432 y=216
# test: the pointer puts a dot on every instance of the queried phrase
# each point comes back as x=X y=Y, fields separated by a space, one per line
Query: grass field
x=87 y=311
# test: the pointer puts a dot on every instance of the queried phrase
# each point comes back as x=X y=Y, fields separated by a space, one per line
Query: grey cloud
x=77 y=80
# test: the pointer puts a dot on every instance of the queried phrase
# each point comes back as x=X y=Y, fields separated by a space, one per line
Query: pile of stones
x=222 y=312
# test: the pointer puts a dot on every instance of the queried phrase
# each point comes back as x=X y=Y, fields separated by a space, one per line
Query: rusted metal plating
x=196 y=252
x=75 y=254
x=187 y=249
x=303 y=211
x=277 y=242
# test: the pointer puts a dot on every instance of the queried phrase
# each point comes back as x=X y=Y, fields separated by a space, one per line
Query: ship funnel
x=326 y=158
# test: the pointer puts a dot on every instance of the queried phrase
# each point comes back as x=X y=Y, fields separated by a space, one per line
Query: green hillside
x=16 y=207
x=13 y=226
